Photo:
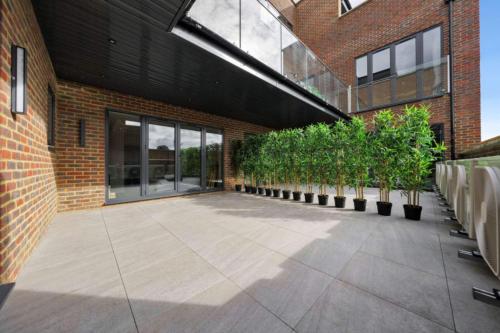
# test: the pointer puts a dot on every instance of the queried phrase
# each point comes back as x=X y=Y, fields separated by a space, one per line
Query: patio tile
x=421 y=258
x=272 y=237
x=283 y=286
x=168 y=283
x=343 y=308
x=101 y=307
x=233 y=254
x=472 y=316
x=419 y=292
x=221 y=308
x=326 y=256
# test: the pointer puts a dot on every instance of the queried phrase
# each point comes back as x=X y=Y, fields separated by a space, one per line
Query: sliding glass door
x=148 y=157
x=161 y=158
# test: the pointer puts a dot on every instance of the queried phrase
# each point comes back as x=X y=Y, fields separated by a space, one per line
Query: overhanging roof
x=179 y=67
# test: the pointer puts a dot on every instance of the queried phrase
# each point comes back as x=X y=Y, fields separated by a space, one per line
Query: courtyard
x=236 y=262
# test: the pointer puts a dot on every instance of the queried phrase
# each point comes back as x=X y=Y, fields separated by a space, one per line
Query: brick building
x=116 y=96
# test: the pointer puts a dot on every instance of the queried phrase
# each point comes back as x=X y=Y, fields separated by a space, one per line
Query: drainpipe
x=451 y=74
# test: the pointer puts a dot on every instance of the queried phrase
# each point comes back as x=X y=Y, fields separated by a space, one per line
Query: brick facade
x=338 y=40
x=28 y=199
x=80 y=170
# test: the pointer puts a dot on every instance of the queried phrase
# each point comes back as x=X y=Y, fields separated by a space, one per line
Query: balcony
x=256 y=28
x=408 y=85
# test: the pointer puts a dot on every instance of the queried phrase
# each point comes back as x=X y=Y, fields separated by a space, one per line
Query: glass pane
x=161 y=158
x=294 y=55
x=190 y=179
x=260 y=34
x=362 y=102
x=214 y=159
x=362 y=70
x=315 y=75
x=220 y=16
x=406 y=60
x=432 y=71
x=381 y=64
x=124 y=156
x=381 y=93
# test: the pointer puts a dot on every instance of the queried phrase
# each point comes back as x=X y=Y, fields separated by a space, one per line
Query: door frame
x=145 y=119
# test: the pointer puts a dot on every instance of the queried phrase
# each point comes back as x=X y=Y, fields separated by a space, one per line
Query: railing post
x=349 y=99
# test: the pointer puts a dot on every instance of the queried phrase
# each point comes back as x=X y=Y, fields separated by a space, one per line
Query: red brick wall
x=80 y=171
x=27 y=182
x=376 y=23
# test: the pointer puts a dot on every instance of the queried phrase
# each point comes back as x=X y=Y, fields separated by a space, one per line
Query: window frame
x=419 y=49
x=51 y=117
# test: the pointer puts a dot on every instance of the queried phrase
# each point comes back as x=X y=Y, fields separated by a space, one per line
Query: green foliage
x=320 y=137
x=236 y=159
x=191 y=162
x=386 y=145
x=418 y=151
x=339 y=166
x=251 y=152
x=358 y=158
x=308 y=156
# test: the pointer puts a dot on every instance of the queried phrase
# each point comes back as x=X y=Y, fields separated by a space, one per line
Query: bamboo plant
x=358 y=156
x=308 y=154
x=237 y=160
x=340 y=137
x=322 y=141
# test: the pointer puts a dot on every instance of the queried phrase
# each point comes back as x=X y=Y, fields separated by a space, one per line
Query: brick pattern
x=80 y=170
x=27 y=181
x=376 y=23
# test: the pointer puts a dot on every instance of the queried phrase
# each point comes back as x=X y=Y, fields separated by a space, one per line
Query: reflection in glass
x=220 y=16
x=294 y=55
x=161 y=158
x=381 y=64
x=214 y=163
x=124 y=156
x=406 y=60
x=362 y=70
x=432 y=78
x=261 y=34
x=190 y=178
x=362 y=102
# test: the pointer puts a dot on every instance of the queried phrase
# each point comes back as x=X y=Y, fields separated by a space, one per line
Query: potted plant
x=322 y=139
x=286 y=161
x=250 y=156
x=385 y=146
x=358 y=160
x=340 y=136
x=272 y=151
x=236 y=162
x=295 y=147
x=308 y=154
x=418 y=152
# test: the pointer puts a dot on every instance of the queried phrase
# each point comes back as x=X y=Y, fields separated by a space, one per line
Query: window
x=348 y=5
x=407 y=70
x=51 y=117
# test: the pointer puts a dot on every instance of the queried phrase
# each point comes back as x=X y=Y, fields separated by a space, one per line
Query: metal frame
x=144 y=163
x=393 y=87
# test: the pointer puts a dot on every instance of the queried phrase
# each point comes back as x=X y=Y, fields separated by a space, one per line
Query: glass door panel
x=124 y=156
x=190 y=153
x=161 y=158
x=213 y=153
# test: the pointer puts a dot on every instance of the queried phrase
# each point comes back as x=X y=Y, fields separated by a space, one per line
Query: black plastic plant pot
x=297 y=195
x=248 y=189
x=260 y=190
x=339 y=202
x=276 y=192
x=268 y=192
x=237 y=187
x=323 y=199
x=286 y=194
x=254 y=189
x=309 y=197
x=412 y=212
x=384 y=208
x=359 y=205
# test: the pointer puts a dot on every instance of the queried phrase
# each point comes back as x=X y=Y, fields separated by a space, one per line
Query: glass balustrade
x=255 y=27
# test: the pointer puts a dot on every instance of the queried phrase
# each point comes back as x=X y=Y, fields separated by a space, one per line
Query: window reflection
x=406 y=60
x=190 y=178
x=161 y=158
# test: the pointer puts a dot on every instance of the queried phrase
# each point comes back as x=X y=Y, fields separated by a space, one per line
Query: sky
x=490 y=68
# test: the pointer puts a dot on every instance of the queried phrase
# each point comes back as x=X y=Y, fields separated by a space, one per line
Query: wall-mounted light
x=82 y=132
x=18 y=79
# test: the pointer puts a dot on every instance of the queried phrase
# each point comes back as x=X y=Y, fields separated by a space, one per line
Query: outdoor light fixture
x=18 y=79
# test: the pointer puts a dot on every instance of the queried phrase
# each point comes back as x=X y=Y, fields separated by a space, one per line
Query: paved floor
x=234 y=262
